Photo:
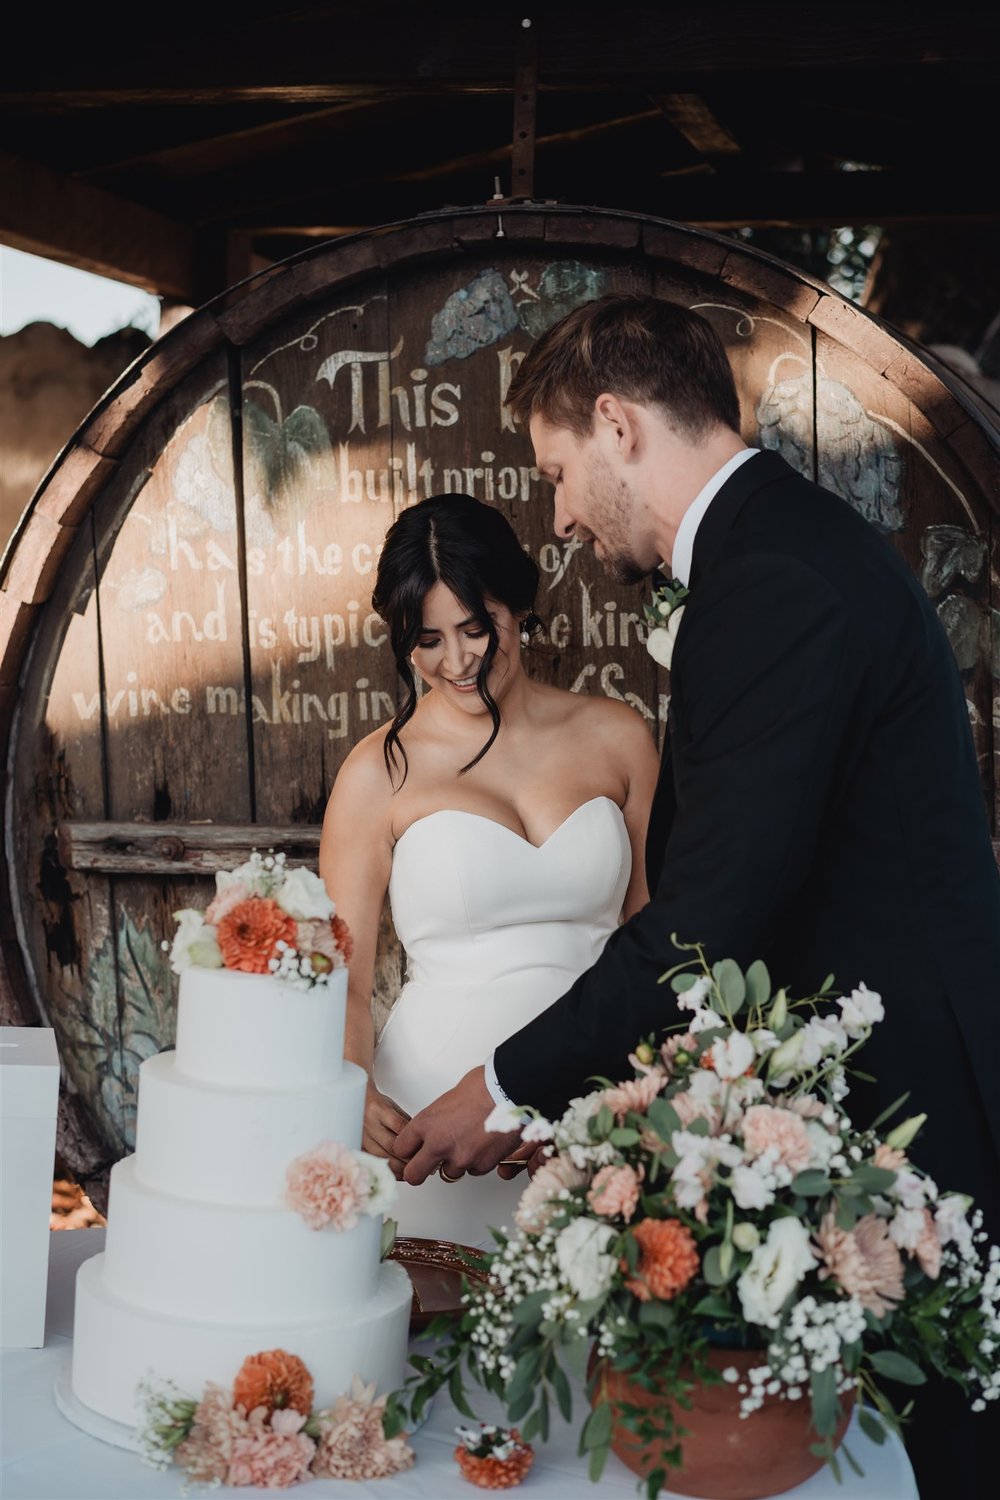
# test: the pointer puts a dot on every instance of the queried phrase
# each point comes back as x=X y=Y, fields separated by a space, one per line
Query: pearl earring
x=525 y=637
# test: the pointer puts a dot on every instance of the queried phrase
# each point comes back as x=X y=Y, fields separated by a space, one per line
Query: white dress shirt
x=680 y=567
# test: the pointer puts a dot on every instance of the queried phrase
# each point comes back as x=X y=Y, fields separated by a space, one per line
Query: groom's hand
x=451 y=1131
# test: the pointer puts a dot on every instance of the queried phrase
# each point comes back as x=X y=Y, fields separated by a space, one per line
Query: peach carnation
x=635 y=1093
x=689 y=1107
x=614 y=1191
x=540 y=1199
x=667 y=1259
x=889 y=1158
x=273 y=1380
x=207 y=1451
x=274 y=1456
x=863 y=1260
x=327 y=1186
x=768 y=1129
x=928 y=1248
x=353 y=1444
x=249 y=932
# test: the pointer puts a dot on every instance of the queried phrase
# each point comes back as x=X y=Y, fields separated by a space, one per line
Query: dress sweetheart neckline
x=459 y=812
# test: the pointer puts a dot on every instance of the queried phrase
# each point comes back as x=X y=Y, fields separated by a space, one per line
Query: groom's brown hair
x=638 y=347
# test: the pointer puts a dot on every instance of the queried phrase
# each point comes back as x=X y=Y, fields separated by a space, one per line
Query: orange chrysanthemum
x=667 y=1259
x=273 y=1379
x=497 y=1473
x=249 y=932
x=342 y=934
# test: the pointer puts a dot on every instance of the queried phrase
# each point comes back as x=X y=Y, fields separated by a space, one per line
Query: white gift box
x=29 y=1098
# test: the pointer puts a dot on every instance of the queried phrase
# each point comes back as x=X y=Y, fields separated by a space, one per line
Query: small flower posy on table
x=495 y=1458
x=663 y=616
x=722 y=1196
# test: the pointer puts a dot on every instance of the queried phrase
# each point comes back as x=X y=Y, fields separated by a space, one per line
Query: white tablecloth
x=46 y=1457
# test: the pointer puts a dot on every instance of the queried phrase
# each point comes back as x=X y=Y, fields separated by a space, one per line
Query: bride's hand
x=383 y=1121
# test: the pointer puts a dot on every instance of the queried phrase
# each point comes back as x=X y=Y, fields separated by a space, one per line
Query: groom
x=819 y=803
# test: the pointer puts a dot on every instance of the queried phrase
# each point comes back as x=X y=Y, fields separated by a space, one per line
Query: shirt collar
x=680 y=563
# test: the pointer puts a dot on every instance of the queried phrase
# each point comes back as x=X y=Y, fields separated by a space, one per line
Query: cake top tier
x=263 y=979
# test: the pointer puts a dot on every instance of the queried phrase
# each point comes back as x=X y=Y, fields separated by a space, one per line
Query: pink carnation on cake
x=353 y=1444
x=318 y=936
x=768 y=1129
x=223 y=903
x=614 y=1192
x=327 y=1186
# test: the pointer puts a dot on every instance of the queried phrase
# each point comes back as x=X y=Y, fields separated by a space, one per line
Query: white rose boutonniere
x=663 y=616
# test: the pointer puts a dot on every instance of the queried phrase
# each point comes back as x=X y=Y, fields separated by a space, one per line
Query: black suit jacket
x=818 y=806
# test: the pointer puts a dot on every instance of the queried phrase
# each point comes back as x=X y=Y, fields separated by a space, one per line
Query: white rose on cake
x=194 y=944
x=303 y=895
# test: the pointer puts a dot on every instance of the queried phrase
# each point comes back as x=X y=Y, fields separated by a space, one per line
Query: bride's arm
x=355 y=859
x=639 y=764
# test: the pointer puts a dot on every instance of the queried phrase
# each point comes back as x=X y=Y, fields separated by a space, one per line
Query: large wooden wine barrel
x=188 y=645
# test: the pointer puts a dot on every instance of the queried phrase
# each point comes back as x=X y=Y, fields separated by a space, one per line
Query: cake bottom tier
x=116 y=1345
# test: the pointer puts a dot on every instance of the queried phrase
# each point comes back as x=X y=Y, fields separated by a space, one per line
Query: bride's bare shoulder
x=363 y=774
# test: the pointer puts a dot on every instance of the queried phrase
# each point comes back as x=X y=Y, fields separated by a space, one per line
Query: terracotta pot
x=724 y=1456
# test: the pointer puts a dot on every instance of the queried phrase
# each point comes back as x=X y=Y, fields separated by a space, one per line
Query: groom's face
x=592 y=499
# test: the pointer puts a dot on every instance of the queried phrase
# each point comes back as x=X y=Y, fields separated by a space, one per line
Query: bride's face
x=452 y=644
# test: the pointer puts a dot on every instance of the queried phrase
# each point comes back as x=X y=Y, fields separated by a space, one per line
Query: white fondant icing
x=253 y=1031
x=204 y=1263
x=231 y=1145
x=116 y=1344
x=224 y=1262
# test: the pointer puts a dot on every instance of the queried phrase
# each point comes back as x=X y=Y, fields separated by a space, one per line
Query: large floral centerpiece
x=265 y=919
x=717 y=1219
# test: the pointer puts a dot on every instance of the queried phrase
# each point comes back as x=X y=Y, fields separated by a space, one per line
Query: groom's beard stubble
x=611 y=506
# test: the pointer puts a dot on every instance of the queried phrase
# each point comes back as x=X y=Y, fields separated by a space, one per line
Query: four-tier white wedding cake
x=248 y=1218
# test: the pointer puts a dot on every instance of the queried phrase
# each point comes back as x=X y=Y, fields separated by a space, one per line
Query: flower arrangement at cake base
x=264 y=1431
x=494 y=1458
x=713 y=1244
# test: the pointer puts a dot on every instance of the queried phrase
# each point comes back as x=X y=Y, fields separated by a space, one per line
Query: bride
x=506 y=820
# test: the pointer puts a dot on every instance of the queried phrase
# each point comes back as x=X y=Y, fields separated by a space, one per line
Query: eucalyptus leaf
x=811 y=1184
x=758 y=982
x=596 y=1431
x=871 y=1425
x=732 y=986
x=871 y=1179
x=663 y=1118
x=561 y=1387
x=713 y=1269
x=896 y=1367
x=823 y=1388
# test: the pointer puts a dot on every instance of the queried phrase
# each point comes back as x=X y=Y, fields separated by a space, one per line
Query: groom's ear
x=616 y=421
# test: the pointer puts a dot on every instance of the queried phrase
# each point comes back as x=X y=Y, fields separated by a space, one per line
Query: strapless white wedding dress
x=495 y=929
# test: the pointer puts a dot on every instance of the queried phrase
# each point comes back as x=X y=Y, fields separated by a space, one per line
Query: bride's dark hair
x=473 y=550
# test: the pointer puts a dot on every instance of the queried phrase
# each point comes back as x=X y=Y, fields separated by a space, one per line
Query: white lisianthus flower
x=195 y=944
x=694 y=997
x=764 y=1040
x=907 y=1228
x=912 y=1190
x=950 y=1220
x=661 y=639
x=582 y=1258
x=382 y=1187
x=732 y=1055
x=861 y=1009
x=775 y=1270
x=303 y=895
x=752 y=1187
x=821 y=1035
x=503 y=1118
x=822 y=1144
